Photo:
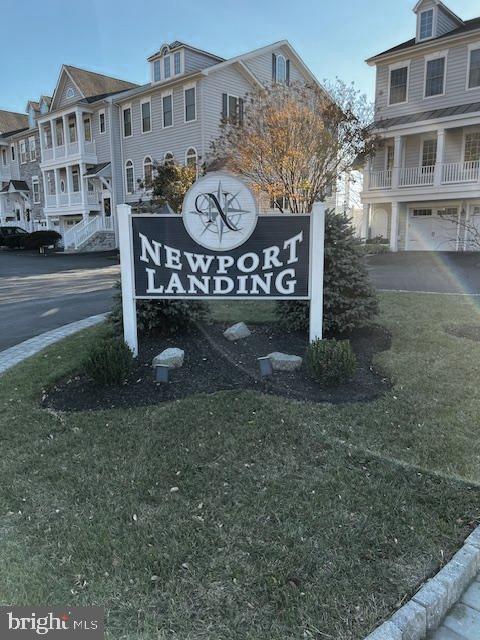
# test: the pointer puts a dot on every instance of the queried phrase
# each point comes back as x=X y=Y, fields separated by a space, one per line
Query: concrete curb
x=426 y=610
x=14 y=355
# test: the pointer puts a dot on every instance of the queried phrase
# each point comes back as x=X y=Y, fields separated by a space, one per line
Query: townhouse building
x=95 y=143
x=422 y=188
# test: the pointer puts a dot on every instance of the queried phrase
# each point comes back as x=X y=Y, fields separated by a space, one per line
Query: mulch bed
x=468 y=331
x=212 y=364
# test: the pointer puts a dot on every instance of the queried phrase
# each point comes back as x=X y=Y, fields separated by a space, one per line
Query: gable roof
x=443 y=6
x=466 y=27
x=91 y=84
x=11 y=121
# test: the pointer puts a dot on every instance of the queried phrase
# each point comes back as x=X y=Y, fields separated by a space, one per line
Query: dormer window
x=156 y=71
x=168 y=65
x=425 y=29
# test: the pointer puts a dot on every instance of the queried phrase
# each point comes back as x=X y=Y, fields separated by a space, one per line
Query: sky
x=116 y=36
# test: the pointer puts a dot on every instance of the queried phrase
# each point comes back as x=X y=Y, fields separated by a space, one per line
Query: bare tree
x=293 y=142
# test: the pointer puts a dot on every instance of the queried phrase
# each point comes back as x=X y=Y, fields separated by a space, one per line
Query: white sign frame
x=129 y=298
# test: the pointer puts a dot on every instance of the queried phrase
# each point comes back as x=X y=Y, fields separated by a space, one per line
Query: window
x=420 y=213
x=166 y=68
x=474 y=69
x=169 y=159
x=47 y=136
x=33 y=148
x=190 y=110
x=36 y=190
x=127 y=122
x=191 y=158
x=398 y=85
x=4 y=157
x=156 y=71
x=129 y=177
x=101 y=122
x=23 y=152
x=389 y=157
x=148 y=172
x=167 y=107
x=281 y=70
x=75 y=180
x=429 y=153
x=72 y=129
x=12 y=152
x=145 y=108
x=435 y=77
x=426 y=24
x=70 y=93
x=177 y=66
x=50 y=183
x=59 y=133
x=472 y=147
x=87 y=128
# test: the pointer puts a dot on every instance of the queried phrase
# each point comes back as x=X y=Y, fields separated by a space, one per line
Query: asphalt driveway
x=434 y=272
x=39 y=293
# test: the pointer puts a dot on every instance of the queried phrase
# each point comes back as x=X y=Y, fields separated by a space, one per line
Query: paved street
x=422 y=271
x=39 y=293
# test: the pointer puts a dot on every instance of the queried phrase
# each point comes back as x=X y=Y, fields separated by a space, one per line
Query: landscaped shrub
x=108 y=361
x=165 y=316
x=349 y=299
x=330 y=362
x=368 y=249
x=39 y=239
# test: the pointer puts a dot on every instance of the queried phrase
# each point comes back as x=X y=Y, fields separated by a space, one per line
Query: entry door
x=428 y=231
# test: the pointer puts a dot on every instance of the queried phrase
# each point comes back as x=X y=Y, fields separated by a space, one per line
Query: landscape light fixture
x=266 y=368
x=161 y=373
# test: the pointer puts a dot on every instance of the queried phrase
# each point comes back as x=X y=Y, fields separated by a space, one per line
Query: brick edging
x=431 y=603
x=14 y=355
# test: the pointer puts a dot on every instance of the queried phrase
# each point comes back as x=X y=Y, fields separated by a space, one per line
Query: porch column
x=52 y=133
x=394 y=227
x=56 y=173
x=366 y=221
x=80 y=131
x=69 y=184
x=439 y=158
x=65 y=129
x=397 y=161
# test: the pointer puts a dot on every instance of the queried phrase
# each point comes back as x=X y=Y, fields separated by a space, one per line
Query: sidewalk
x=463 y=621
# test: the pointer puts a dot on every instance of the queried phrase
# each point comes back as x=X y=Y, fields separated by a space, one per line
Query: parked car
x=12 y=237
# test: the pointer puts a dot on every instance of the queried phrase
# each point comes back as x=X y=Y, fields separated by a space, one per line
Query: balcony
x=69 y=151
x=453 y=173
x=67 y=137
x=90 y=200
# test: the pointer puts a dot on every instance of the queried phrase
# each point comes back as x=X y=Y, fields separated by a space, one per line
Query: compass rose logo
x=219 y=212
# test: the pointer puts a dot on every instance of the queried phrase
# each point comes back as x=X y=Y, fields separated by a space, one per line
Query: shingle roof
x=468 y=25
x=95 y=169
x=97 y=84
x=176 y=44
x=428 y=115
x=11 y=121
x=18 y=185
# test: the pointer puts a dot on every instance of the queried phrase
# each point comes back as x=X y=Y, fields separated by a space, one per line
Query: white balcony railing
x=72 y=148
x=381 y=179
x=48 y=153
x=417 y=176
x=51 y=201
x=76 y=197
x=461 y=172
x=93 y=197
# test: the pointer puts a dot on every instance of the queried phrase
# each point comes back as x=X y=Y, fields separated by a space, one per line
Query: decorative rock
x=237 y=332
x=284 y=361
x=172 y=358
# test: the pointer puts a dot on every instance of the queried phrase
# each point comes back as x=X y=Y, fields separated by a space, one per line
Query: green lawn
x=239 y=516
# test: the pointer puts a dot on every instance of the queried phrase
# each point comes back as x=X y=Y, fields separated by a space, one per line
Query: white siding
x=444 y=22
x=195 y=61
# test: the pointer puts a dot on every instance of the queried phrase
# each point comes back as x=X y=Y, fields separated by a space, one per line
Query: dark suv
x=12 y=236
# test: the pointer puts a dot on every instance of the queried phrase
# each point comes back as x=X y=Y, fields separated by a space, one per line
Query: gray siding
x=61 y=99
x=102 y=140
x=444 y=22
x=261 y=67
x=30 y=169
x=117 y=162
x=176 y=139
x=195 y=61
x=455 y=90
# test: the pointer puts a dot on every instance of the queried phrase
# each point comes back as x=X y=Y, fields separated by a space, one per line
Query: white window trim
x=429 y=58
x=237 y=98
x=167 y=153
x=165 y=94
x=125 y=107
x=471 y=47
x=143 y=165
x=70 y=93
x=196 y=154
x=385 y=160
x=13 y=155
x=127 y=161
x=24 y=152
x=464 y=139
x=152 y=75
x=280 y=55
x=102 y=112
x=424 y=138
x=36 y=180
x=434 y=24
x=142 y=102
x=393 y=67
x=192 y=85
x=4 y=156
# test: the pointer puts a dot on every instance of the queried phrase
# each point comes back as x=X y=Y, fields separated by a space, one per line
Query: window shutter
x=240 y=111
x=274 y=67
x=288 y=72
x=224 y=105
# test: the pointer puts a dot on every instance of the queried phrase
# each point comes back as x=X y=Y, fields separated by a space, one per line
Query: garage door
x=428 y=231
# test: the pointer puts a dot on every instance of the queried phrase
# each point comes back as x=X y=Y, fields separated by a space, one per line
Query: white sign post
x=317 y=261
x=129 y=304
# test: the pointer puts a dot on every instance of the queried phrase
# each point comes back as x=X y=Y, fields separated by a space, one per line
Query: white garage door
x=428 y=231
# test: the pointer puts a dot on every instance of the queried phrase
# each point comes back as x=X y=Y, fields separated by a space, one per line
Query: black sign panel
x=273 y=263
